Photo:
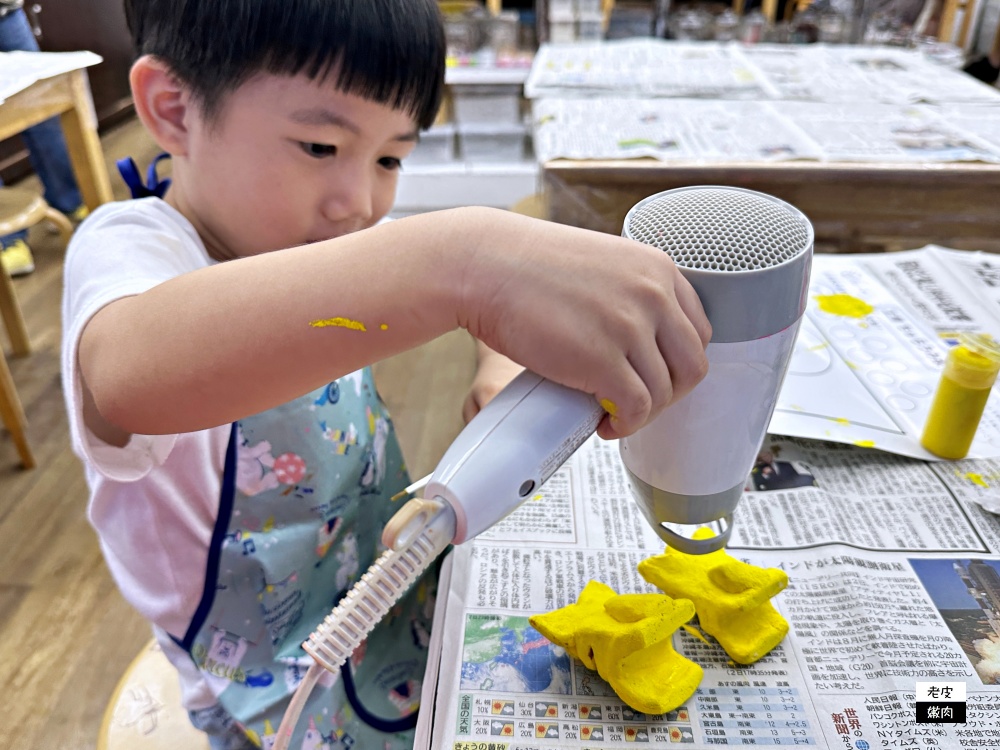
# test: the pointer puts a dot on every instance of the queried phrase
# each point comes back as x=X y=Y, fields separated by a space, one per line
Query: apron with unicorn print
x=305 y=495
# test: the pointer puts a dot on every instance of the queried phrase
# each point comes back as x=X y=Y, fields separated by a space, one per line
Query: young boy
x=238 y=489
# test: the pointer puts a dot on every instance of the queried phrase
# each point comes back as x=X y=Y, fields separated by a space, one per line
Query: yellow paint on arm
x=843 y=304
x=354 y=325
x=384 y=327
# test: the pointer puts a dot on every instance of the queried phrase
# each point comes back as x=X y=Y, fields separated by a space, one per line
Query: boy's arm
x=596 y=312
x=493 y=372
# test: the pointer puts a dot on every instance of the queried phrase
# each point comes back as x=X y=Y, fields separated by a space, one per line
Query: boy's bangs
x=389 y=51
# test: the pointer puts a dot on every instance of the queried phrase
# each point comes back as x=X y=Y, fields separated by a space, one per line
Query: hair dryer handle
x=510 y=449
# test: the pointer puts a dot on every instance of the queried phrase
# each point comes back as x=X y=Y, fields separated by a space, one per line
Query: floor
x=66 y=635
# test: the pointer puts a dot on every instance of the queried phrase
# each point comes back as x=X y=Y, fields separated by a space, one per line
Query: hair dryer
x=748 y=256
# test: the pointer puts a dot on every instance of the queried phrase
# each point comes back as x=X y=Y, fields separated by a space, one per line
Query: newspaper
x=870 y=380
x=894 y=567
x=689 y=130
x=894 y=579
x=18 y=70
x=692 y=131
x=730 y=70
x=646 y=67
x=844 y=73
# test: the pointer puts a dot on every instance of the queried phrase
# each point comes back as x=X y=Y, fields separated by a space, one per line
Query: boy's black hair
x=389 y=51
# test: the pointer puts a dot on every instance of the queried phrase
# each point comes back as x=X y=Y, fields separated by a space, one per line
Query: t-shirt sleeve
x=122 y=250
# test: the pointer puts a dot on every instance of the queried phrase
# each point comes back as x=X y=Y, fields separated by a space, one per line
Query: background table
x=66 y=95
x=853 y=206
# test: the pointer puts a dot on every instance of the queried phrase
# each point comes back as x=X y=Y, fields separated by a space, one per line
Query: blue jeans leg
x=45 y=141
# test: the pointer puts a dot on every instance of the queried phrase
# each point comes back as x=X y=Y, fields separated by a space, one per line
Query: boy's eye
x=390 y=162
x=318 y=150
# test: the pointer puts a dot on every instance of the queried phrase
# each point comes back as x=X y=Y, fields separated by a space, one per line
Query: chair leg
x=13 y=320
x=58 y=218
x=12 y=414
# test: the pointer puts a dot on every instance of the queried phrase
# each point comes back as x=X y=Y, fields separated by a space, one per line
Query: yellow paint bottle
x=969 y=374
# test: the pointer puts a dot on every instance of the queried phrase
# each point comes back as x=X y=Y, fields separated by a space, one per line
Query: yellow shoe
x=81 y=213
x=17 y=259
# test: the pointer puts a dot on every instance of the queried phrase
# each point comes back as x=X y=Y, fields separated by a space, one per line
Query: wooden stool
x=19 y=209
x=12 y=415
x=145 y=711
x=22 y=209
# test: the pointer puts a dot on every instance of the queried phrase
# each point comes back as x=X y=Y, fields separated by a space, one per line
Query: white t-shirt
x=154 y=527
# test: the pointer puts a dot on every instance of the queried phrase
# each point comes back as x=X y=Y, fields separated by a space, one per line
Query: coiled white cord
x=416 y=535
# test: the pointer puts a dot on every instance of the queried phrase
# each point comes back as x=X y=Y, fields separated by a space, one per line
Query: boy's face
x=290 y=161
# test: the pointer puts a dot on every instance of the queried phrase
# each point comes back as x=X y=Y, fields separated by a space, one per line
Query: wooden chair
x=12 y=414
x=19 y=209
x=949 y=10
x=22 y=209
x=145 y=711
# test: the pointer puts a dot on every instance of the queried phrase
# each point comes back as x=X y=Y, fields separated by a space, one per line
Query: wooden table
x=66 y=95
x=853 y=206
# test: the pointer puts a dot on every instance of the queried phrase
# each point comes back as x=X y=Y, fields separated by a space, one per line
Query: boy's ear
x=162 y=102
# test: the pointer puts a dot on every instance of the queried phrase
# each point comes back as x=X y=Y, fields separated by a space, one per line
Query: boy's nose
x=349 y=198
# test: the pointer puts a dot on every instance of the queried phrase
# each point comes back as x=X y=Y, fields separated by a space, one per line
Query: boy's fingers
x=651 y=367
x=683 y=349
x=628 y=404
x=690 y=303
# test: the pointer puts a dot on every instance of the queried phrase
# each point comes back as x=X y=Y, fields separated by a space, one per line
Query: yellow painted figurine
x=628 y=640
x=732 y=598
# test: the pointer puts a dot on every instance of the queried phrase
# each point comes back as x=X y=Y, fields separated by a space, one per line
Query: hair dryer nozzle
x=748 y=256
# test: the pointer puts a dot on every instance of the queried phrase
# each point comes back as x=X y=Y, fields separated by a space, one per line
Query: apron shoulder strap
x=154 y=187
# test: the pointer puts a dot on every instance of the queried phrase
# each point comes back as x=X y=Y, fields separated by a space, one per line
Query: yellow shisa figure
x=731 y=597
x=628 y=640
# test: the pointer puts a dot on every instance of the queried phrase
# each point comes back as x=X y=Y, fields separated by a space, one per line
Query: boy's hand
x=599 y=313
x=493 y=372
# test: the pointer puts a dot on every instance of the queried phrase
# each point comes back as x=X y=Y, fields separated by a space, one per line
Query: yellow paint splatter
x=841 y=420
x=354 y=325
x=843 y=304
x=610 y=407
x=694 y=633
x=537 y=497
x=384 y=327
x=865 y=443
x=977 y=479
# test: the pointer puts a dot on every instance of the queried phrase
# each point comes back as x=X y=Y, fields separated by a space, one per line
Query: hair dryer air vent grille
x=720 y=229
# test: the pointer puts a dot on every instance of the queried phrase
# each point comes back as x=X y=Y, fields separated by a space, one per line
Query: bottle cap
x=975 y=362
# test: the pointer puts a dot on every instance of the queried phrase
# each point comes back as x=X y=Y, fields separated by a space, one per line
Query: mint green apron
x=305 y=495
